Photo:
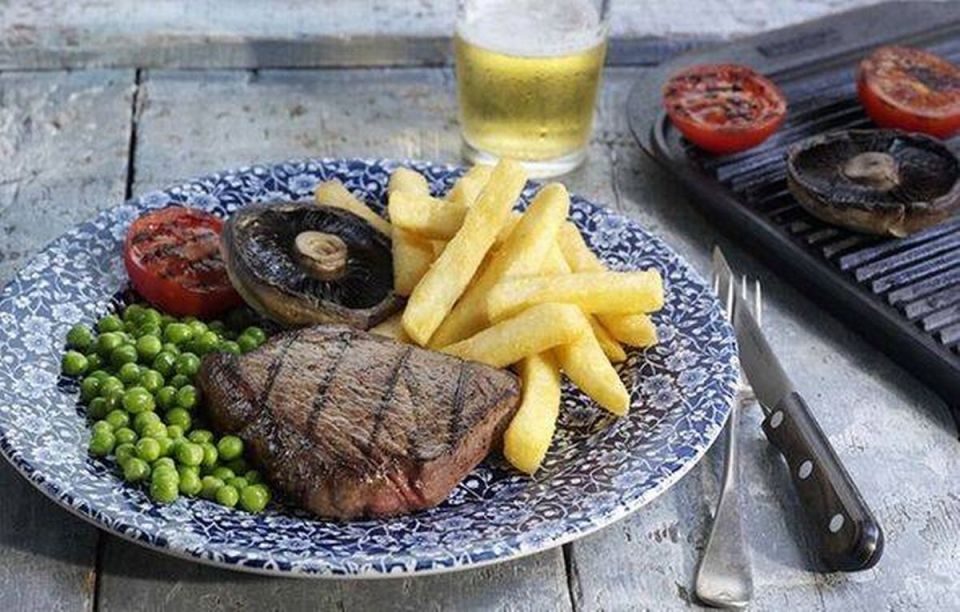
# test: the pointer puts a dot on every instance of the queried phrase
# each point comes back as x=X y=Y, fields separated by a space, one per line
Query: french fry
x=333 y=193
x=585 y=364
x=391 y=328
x=469 y=186
x=594 y=292
x=533 y=331
x=633 y=330
x=445 y=281
x=523 y=252
x=425 y=216
x=412 y=257
x=408 y=181
x=556 y=264
x=528 y=437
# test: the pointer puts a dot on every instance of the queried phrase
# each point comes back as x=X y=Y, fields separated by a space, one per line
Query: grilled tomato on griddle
x=172 y=256
x=724 y=108
x=910 y=89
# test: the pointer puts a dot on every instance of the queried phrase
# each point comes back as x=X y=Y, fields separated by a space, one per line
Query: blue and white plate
x=599 y=468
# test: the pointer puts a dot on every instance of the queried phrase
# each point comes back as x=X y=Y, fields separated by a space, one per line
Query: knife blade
x=847 y=535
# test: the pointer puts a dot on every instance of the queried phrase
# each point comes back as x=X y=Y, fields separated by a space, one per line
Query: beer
x=527 y=79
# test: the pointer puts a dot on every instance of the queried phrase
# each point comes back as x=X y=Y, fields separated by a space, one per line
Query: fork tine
x=731 y=288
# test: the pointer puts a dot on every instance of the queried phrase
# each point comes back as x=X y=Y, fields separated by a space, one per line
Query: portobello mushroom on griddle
x=875 y=181
x=303 y=264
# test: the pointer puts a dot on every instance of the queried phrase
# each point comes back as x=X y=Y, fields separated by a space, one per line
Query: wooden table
x=128 y=115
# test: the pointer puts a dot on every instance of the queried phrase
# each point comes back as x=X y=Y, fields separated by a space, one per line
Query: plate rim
x=89 y=514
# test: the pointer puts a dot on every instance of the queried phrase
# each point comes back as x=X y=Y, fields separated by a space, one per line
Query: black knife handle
x=849 y=538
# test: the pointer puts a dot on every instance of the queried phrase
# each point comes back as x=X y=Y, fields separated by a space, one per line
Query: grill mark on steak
x=457 y=412
x=320 y=398
x=388 y=395
x=274 y=369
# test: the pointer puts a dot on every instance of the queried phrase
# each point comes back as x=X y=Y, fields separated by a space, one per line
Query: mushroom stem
x=324 y=255
x=874 y=170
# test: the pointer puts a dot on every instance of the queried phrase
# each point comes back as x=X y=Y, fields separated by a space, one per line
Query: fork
x=724 y=577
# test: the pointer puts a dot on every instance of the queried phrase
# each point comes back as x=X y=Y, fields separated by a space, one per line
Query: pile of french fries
x=489 y=284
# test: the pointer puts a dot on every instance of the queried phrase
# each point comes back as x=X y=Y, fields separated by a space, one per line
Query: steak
x=349 y=424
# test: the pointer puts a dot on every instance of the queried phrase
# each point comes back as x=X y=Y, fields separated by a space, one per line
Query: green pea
x=102 y=426
x=166 y=444
x=227 y=496
x=254 y=498
x=135 y=470
x=148 y=449
x=165 y=463
x=216 y=326
x=230 y=447
x=124 y=450
x=125 y=353
x=188 y=364
x=164 y=492
x=207 y=342
x=177 y=333
x=141 y=420
x=94 y=362
x=238 y=465
x=109 y=323
x=238 y=482
x=192 y=469
x=179 y=416
x=148 y=347
x=187 y=397
x=111 y=385
x=179 y=380
x=138 y=399
x=107 y=343
x=256 y=333
x=154 y=430
x=151 y=380
x=125 y=435
x=102 y=442
x=151 y=315
x=100 y=375
x=229 y=346
x=246 y=343
x=210 y=484
x=164 y=473
x=165 y=362
x=189 y=453
x=190 y=483
x=253 y=477
x=114 y=401
x=117 y=419
x=97 y=408
x=80 y=337
x=200 y=435
x=223 y=473
x=74 y=363
x=166 y=397
x=89 y=388
x=129 y=327
x=170 y=347
x=129 y=373
x=174 y=432
x=148 y=330
x=198 y=328
x=133 y=313
x=210 y=455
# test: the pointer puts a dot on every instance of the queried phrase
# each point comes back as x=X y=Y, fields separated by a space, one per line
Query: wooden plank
x=63 y=141
x=193 y=123
x=200 y=34
x=895 y=437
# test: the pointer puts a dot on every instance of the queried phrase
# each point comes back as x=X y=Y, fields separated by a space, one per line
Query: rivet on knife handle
x=849 y=538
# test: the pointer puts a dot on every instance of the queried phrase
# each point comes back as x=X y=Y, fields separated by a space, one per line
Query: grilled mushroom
x=303 y=264
x=875 y=181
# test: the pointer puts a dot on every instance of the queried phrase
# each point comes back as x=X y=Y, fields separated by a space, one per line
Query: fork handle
x=848 y=537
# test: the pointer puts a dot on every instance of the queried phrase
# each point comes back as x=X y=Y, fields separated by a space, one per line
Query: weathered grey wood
x=195 y=122
x=200 y=34
x=63 y=142
x=895 y=437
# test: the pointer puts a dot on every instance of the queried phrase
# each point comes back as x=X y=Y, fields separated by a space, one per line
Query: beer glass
x=527 y=78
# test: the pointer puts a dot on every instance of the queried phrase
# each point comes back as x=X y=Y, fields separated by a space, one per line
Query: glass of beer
x=527 y=78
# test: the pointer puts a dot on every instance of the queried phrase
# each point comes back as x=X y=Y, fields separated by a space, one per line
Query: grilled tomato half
x=172 y=256
x=910 y=89
x=724 y=108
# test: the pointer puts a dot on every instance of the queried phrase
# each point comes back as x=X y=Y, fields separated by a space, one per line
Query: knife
x=848 y=537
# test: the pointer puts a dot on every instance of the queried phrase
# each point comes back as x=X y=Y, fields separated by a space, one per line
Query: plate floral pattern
x=599 y=468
